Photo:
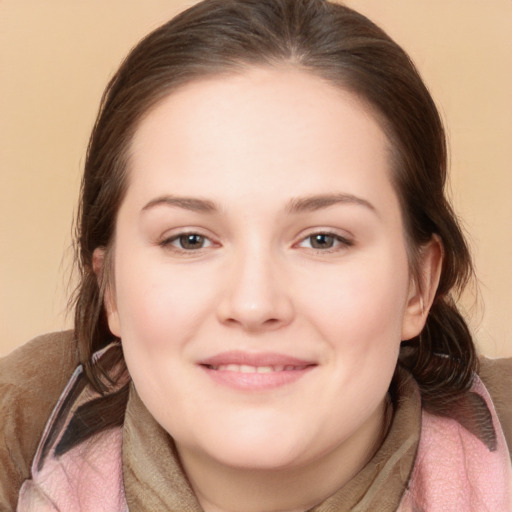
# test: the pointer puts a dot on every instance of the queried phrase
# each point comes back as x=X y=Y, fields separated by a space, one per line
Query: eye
x=187 y=242
x=325 y=241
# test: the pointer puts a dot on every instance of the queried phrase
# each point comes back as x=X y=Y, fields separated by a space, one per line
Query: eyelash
x=343 y=242
x=339 y=241
x=179 y=237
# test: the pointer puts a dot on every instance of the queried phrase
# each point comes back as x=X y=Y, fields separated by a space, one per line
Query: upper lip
x=254 y=359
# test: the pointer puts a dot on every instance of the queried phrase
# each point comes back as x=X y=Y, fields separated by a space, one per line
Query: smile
x=244 y=368
x=244 y=371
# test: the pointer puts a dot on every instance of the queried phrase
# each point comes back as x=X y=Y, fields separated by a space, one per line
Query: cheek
x=364 y=302
x=360 y=315
x=159 y=306
x=161 y=310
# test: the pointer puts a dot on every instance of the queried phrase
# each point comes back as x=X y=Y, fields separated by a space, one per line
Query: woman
x=265 y=319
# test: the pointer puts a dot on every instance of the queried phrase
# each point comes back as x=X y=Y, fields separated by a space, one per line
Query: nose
x=256 y=297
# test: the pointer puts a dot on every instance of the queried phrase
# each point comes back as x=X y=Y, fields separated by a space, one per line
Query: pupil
x=322 y=241
x=191 y=241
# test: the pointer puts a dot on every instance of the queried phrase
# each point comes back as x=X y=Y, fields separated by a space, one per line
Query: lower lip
x=256 y=381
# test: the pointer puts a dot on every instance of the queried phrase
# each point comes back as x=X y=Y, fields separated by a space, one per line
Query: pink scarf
x=454 y=470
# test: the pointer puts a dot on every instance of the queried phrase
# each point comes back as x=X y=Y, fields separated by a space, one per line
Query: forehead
x=262 y=130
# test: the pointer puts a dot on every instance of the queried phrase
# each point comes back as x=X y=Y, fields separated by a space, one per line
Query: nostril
x=254 y=324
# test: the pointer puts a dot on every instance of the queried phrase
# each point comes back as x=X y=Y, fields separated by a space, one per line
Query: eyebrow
x=318 y=202
x=187 y=203
x=296 y=205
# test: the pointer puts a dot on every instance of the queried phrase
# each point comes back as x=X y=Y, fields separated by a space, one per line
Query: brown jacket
x=32 y=378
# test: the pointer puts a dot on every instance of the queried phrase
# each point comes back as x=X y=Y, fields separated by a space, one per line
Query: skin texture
x=258 y=149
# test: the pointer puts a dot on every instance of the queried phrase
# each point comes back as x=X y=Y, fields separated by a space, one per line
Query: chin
x=253 y=447
x=256 y=457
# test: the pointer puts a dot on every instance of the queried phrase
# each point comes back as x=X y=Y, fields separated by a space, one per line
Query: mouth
x=255 y=372
x=244 y=368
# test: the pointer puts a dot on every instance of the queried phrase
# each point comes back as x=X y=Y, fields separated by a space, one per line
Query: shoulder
x=496 y=374
x=32 y=378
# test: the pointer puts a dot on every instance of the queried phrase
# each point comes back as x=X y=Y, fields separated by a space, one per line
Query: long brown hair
x=328 y=40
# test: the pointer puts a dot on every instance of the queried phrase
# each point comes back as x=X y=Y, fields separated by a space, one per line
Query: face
x=262 y=285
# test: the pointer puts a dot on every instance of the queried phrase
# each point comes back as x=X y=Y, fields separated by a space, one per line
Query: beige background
x=56 y=56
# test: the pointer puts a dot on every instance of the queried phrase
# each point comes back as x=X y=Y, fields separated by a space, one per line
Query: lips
x=244 y=368
x=249 y=371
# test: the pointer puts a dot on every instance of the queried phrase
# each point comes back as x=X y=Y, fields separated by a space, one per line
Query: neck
x=221 y=488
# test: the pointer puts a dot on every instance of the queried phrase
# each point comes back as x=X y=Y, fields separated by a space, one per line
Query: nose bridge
x=256 y=296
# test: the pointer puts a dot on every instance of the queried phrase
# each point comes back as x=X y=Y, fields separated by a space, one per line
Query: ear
x=422 y=293
x=98 y=266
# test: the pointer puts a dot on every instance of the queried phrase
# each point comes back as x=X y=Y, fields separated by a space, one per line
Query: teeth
x=244 y=368
x=266 y=369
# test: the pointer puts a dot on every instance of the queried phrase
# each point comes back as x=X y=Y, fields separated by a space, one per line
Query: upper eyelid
x=179 y=235
x=177 y=232
x=344 y=240
x=337 y=233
